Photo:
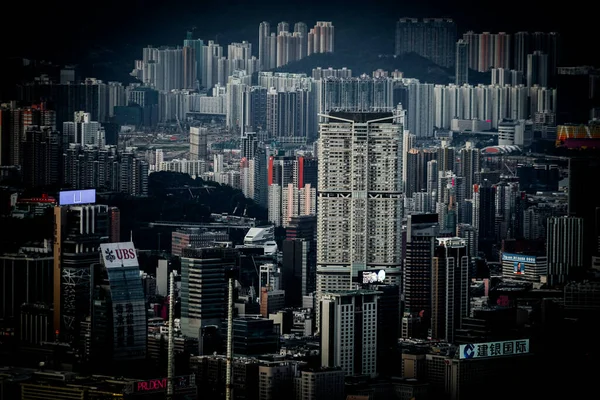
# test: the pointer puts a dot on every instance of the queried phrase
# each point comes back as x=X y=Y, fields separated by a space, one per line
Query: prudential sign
x=121 y=254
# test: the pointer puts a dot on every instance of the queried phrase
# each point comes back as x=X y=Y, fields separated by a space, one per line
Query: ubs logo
x=109 y=255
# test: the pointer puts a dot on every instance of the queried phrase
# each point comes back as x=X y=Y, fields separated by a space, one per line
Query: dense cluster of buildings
x=416 y=241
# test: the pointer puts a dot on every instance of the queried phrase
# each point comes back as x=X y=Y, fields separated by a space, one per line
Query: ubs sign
x=121 y=254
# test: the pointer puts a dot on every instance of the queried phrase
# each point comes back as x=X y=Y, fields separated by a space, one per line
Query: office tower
x=254 y=336
x=462 y=63
x=421 y=231
x=203 y=282
x=79 y=231
x=40 y=147
x=564 y=249
x=25 y=278
x=484 y=214
x=321 y=38
x=349 y=326
x=359 y=199
x=449 y=288
x=189 y=67
x=299 y=269
x=118 y=329
x=468 y=166
x=582 y=203
x=537 y=69
x=432 y=38
x=198 y=143
x=315 y=384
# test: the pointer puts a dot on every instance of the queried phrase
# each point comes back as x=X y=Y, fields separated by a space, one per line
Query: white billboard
x=494 y=349
x=121 y=254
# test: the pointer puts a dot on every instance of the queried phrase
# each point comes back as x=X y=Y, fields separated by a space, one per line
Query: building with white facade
x=349 y=331
x=359 y=198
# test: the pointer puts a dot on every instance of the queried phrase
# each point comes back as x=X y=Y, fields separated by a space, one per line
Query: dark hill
x=363 y=61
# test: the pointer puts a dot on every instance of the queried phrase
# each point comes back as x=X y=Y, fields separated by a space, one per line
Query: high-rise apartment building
x=537 y=69
x=41 y=156
x=432 y=38
x=197 y=45
x=321 y=38
x=462 y=63
x=349 y=331
x=359 y=199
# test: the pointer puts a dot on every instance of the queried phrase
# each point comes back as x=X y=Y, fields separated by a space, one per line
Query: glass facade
x=129 y=313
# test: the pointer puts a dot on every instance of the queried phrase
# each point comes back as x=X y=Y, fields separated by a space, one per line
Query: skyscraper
x=421 y=231
x=449 y=288
x=359 y=199
x=264 y=31
x=189 y=67
x=537 y=69
x=204 y=287
x=321 y=38
x=79 y=231
x=564 y=249
x=462 y=63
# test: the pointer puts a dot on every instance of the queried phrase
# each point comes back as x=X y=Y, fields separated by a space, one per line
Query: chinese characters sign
x=493 y=349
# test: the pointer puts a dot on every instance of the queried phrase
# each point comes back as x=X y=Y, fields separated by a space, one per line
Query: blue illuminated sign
x=73 y=197
x=518 y=258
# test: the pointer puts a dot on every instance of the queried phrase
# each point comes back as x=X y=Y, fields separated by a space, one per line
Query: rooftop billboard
x=493 y=349
x=121 y=254
x=519 y=258
x=74 y=197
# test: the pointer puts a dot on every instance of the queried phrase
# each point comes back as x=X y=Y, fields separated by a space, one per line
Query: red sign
x=153 y=384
